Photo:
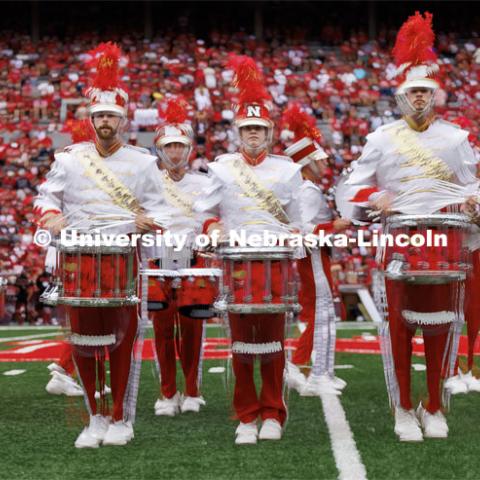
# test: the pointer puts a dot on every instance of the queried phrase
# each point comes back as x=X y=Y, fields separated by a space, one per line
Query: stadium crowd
x=344 y=86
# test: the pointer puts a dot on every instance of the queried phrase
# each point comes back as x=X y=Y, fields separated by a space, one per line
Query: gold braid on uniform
x=252 y=187
x=105 y=179
x=417 y=155
x=175 y=197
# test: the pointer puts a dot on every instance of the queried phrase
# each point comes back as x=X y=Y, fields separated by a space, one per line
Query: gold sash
x=252 y=187
x=105 y=179
x=419 y=156
x=175 y=197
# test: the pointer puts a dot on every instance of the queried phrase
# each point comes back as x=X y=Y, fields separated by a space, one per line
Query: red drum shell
x=257 y=288
x=111 y=266
x=159 y=293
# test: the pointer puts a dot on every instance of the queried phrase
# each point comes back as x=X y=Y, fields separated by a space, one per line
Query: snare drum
x=257 y=280
x=197 y=291
x=160 y=284
x=424 y=264
x=97 y=276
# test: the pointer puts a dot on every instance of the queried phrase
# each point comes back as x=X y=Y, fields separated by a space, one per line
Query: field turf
x=38 y=432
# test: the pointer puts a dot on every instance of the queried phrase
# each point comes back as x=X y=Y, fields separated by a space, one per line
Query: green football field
x=38 y=431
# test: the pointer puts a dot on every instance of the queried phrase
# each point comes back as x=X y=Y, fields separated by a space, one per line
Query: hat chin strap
x=409 y=110
x=314 y=167
x=169 y=165
x=255 y=151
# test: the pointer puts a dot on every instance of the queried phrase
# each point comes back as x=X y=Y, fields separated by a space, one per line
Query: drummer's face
x=106 y=124
x=316 y=169
x=253 y=135
x=175 y=152
x=419 y=97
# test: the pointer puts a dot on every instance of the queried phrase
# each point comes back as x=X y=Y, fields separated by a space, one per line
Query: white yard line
x=347 y=456
x=34 y=348
x=30 y=327
x=29 y=337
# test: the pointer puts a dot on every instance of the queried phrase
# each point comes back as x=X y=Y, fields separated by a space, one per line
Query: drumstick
x=206 y=254
x=64 y=217
x=111 y=224
x=116 y=216
x=445 y=193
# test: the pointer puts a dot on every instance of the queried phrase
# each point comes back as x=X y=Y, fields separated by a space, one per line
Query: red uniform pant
x=188 y=348
x=104 y=321
x=472 y=306
x=418 y=298
x=257 y=329
x=307 y=298
x=66 y=359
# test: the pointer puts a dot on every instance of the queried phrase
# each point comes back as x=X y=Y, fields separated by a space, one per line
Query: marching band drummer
x=409 y=154
x=181 y=188
x=254 y=191
x=62 y=371
x=315 y=294
x=468 y=382
x=104 y=177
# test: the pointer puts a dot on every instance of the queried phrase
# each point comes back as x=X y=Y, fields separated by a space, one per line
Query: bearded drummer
x=254 y=191
x=110 y=178
x=315 y=293
x=411 y=154
x=183 y=310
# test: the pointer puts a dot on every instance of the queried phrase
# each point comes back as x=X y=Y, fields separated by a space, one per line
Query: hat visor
x=162 y=141
x=417 y=83
x=107 y=107
x=261 y=122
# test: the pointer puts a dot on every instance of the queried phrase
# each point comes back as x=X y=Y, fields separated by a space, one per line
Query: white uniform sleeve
x=211 y=197
x=467 y=165
x=314 y=207
x=149 y=192
x=365 y=170
x=293 y=208
x=50 y=192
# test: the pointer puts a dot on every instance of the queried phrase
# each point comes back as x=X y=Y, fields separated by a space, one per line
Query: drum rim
x=253 y=308
x=427 y=276
x=199 y=272
x=98 y=301
x=276 y=249
x=96 y=249
x=263 y=253
x=158 y=272
x=434 y=219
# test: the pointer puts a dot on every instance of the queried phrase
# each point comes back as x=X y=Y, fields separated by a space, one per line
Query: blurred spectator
x=346 y=83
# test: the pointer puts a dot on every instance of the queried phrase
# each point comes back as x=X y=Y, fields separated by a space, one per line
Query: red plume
x=105 y=59
x=415 y=40
x=248 y=79
x=176 y=111
x=80 y=130
x=300 y=123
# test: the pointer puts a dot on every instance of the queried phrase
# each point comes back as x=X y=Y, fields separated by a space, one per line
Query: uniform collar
x=110 y=151
x=254 y=161
x=178 y=180
x=423 y=126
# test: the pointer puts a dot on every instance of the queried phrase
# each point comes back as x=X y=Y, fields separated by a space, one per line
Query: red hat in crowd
x=307 y=137
x=106 y=93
